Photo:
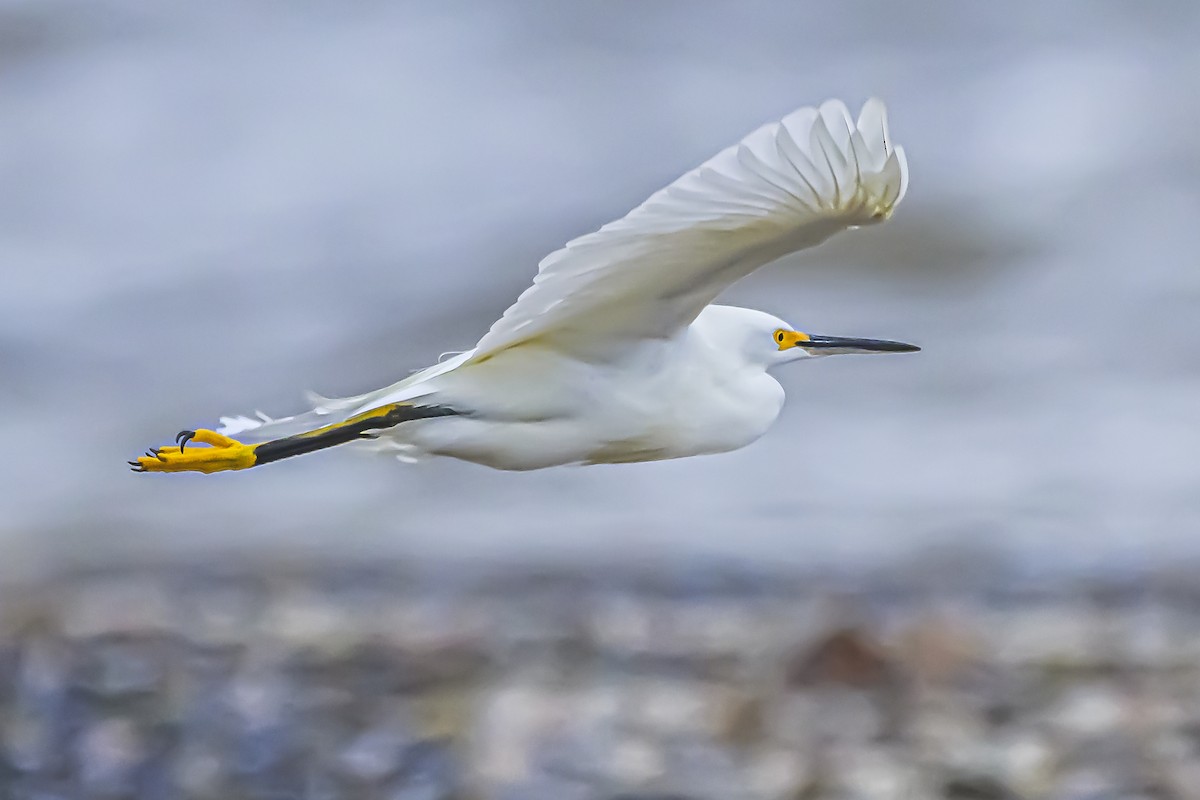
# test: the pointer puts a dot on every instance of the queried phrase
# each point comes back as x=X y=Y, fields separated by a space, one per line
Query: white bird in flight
x=617 y=353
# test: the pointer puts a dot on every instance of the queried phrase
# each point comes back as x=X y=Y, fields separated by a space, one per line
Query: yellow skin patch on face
x=789 y=339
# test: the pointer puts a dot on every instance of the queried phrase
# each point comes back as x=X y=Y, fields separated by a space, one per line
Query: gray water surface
x=208 y=208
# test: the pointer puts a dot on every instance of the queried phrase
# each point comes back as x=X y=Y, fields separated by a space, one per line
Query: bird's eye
x=779 y=336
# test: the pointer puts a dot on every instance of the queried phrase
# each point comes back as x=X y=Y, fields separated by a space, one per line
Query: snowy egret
x=616 y=353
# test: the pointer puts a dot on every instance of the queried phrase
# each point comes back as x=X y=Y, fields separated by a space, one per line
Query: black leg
x=357 y=427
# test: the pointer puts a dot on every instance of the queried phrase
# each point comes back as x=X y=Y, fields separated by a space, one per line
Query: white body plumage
x=533 y=407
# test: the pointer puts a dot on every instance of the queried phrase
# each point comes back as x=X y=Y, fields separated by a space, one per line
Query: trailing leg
x=224 y=453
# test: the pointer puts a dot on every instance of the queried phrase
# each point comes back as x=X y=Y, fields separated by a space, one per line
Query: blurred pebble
x=430 y=773
x=636 y=762
x=200 y=769
x=118 y=665
x=807 y=718
x=108 y=754
x=376 y=753
x=1090 y=709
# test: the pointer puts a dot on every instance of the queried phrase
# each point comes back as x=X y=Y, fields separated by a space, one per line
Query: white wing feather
x=787 y=186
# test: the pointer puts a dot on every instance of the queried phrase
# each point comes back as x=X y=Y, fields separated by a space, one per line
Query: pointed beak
x=830 y=345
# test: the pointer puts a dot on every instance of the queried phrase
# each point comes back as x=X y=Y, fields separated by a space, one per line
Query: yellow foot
x=222 y=454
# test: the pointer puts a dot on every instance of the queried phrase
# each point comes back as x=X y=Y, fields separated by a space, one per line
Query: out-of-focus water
x=207 y=208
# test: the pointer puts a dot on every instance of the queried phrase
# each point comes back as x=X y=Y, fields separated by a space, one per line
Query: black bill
x=840 y=344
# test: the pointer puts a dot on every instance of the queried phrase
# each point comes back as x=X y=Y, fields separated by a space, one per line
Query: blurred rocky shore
x=399 y=683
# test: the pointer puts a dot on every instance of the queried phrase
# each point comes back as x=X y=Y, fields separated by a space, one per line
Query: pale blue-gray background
x=206 y=208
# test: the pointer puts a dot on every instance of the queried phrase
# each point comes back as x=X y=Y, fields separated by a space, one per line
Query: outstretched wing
x=787 y=186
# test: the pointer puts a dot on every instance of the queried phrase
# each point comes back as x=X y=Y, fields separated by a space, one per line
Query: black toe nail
x=183 y=438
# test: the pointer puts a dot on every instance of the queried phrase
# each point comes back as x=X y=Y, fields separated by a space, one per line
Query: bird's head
x=767 y=340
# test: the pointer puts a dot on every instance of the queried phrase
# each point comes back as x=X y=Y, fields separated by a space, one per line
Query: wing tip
x=851 y=164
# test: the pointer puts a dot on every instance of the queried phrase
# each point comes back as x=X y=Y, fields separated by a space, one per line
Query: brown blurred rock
x=939 y=648
x=845 y=656
x=743 y=719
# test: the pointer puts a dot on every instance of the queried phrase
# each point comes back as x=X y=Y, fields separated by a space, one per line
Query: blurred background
x=967 y=574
